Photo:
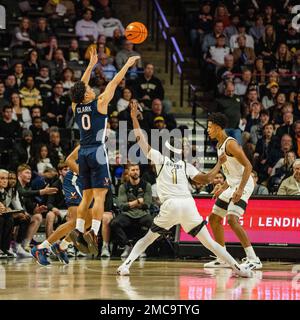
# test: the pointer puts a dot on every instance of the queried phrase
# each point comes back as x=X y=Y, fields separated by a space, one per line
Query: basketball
x=136 y=32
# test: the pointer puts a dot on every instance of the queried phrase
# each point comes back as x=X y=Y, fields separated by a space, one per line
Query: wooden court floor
x=96 y=279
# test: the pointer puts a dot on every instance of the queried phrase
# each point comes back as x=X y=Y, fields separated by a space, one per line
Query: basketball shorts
x=224 y=206
x=93 y=167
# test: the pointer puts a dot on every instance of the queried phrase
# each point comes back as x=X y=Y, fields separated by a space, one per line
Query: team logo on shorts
x=106 y=182
x=73 y=196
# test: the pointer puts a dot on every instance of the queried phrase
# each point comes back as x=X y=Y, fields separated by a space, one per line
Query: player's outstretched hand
x=131 y=61
x=94 y=57
x=222 y=159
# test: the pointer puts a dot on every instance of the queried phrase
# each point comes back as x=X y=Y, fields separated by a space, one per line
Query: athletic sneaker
x=10 y=253
x=92 y=241
x=126 y=251
x=252 y=264
x=105 y=252
x=59 y=253
x=123 y=271
x=2 y=255
x=40 y=255
x=22 y=253
x=217 y=263
x=243 y=271
x=71 y=251
x=78 y=241
x=143 y=255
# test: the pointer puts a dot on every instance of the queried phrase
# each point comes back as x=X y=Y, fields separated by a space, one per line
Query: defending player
x=233 y=196
x=178 y=205
x=91 y=118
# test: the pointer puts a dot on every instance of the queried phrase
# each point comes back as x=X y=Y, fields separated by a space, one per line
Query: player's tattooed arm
x=143 y=143
x=71 y=160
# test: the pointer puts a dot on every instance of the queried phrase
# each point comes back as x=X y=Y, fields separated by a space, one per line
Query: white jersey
x=172 y=180
x=232 y=169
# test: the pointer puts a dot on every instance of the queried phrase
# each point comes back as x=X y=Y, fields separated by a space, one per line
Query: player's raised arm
x=205 y=178
x=71 y=160
x=137 y=129
x=109 y=91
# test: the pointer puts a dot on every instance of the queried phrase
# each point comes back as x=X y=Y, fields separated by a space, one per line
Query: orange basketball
x=136 y=32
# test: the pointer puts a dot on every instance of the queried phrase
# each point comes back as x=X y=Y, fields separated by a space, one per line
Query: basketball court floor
x=96 y=279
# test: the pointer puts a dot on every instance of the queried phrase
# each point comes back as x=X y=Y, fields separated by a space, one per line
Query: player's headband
x=175 y=150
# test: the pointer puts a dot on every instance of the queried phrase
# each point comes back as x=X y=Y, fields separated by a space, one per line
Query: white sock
x=105 y=244
x=140 y=247
x=80 y=224
x=96 y=226
x=64 y=244
x=250 y=253
x=26 y=243
x=44 y=245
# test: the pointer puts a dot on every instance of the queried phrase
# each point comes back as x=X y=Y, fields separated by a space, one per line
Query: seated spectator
x=243 y=55
x=31 y=64
x=296 y=109
x=22 y=36
x=134 y=200
x=258 y=30
x=57 y=151
x=4 y=100
x=259 y=72
x=217 y=182
x=29 y=201
x=82 y=5
x=86 y=28
x=241 y=85
x=36 y=112
x=101 y=43
x=23 y=150
x=107 y=69
x=156 y=111
x=254 y=116
x=209 y=39
x=230 y=105
x=74 y=52
x=229 y=66
x=9 y=129
x=21 y=220
x=123 y=102
x=249 y=17
x=100 y=6
x=292 y=38
x=115 y=43
x=30 y=95
x=296 y=70
x=108 y=23
x=269 y=100
x=269 y=14
x=159 y=123
x=222 y=14
x=20 y=114
x=41 y=161
x=41 y=35
x=68 y=80
x=276 y=111
x=256 y=131
x=283 y=64
x=259 y=189
x=148 y=87
x=59 y=10
x=123 y=55
x=39 y=134
x=19 y=74
x=232 y=29
x=59 y=64
x=297 y=137
x=56 y=107
x=291 y=185
x=10 y=85
x=248 y=40
x=287 y=126
x=281 y=27
x=267 y=46
x=52 y=47
x=44 y=83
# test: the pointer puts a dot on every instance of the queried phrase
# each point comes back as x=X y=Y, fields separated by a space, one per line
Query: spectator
x=20 y=114
x=232 y=29
x=10 y=85
x=296 y=109
x=296 y=70
x=297 y=137
x=9 y=129
x=115 y=43
x=86 y=29
x=99 y=46
x=218 y=181
x=148 y=87
x=248 y=40
x=269 y=14
x=156 y=111
x=58 y=10
x=259 y=189
x=287 y=126
x=29 y=201
x=19 y=74
x=281 y=27
x=276 y=111
x=68 y=80
x=30 y=95
x=108 y=23
x=209 y=39
x=283 y=64
x=230 y=105
x=291 y=185
x=134 y=200
x=259 y=72
x=258 y=30
x=74 y=52
x=249 y=18
x=229 y=67
x=100 y=6
x=82 y=5
x=292 y=39
x=56 y=107
x=23 y=150
x=44 y=83
x=41 y=161
x=159 y=123
x=269 y=100
x=107 y=69
x=59 y=64
x=222 y=14
x=123 y=55
x=56 y=150
x=36 y=112
x=41 y=35
x=256 y=131
x=31 y=64
x=241 y=85
x=254 y=117
x=22 y=35
x=243 y=55
x=123 y=102
x=53 y=46
x=3 y=98
x=39 y=135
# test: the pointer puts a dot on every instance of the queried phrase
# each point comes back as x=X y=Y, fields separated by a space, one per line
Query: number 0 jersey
x=91 y=123
x=172 y=180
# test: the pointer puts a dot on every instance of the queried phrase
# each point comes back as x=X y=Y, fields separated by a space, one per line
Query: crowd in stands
x=249 y=52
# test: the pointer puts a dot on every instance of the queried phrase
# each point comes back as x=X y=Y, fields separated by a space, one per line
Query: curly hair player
x=233 y=196
x=178 y=205
x=91 y=118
